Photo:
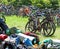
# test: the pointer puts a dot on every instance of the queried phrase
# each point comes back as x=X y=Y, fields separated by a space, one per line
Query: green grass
x=19 y=22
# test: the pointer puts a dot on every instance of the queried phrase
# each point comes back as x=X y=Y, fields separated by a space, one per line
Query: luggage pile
x=15 y=39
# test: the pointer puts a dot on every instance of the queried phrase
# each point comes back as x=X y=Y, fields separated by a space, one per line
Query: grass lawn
x=19 y=22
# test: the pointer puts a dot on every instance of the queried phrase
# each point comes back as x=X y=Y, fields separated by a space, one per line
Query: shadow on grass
x=53 y=36
x=38 y=33
x=57 y=26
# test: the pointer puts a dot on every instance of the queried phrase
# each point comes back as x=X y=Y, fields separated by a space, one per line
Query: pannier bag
x=27 y=39
x=33 y=35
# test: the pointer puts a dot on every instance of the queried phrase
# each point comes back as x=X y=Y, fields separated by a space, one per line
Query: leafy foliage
x=54 y=4
x=39 y=3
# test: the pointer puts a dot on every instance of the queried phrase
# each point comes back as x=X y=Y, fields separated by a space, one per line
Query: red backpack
x=3 y=36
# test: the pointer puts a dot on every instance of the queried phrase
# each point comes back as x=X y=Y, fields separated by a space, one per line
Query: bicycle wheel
x=53 y=29
x=30 y=26
x=46 y=27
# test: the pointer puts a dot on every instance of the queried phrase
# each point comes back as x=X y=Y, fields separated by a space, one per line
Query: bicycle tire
x=29 y=27
x=52 y=31
x=53 y=28
x=44 y=27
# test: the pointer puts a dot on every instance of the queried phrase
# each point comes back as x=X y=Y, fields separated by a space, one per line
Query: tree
x=26 y=2
x=36 y=3
x=4 y=2
x=40 y=3
x=45 y=3
x=21 y=2
x=54 y=4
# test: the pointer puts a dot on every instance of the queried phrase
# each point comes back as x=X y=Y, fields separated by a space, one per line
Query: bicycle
x=45 y=25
